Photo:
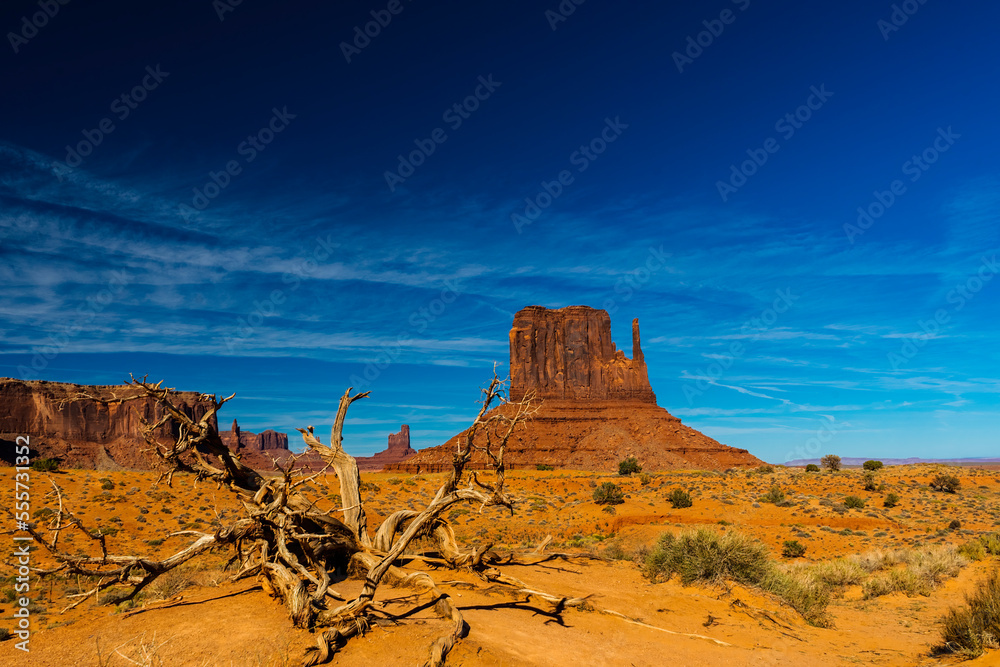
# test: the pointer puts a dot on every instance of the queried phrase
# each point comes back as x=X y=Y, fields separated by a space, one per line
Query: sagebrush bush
x=44 y=465
x=872 y=465
x=976 y=626
x=812 y=467
x=891 y=500
x=765 y=470
x=679 y=499
x=853 y=502
x=629 y=466
x=869 y=481
x=645 y=479
x=609 y=493
x=775 y=495
x=793 y=549
x=543 y=466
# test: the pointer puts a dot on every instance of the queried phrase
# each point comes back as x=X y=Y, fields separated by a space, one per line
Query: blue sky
x=254 y=198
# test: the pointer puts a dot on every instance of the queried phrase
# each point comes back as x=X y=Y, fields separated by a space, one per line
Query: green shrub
x=946 y=483
x=954 y=524
x=106 y=484
x=629 y=466
x=645 y=479
x=991 y=542
x=765 y=470
x=793 y=549
x=891 y=500
x=679 y=498
x=853 y=502
x=972 y=629
x=544 y=466
x=4 y=634
x=872 y=465
x=775 y=495
x=609 y=493
x=973 y=550
x=45 y=465
x=830 y=461
x=812 y=467
x=869 y=481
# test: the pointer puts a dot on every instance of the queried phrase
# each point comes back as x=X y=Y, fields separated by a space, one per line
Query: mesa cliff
x=83 y=433
x=597 y=406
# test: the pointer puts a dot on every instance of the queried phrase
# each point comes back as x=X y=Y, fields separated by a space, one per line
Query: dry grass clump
x=925 y=570
x=972 y=629
x=704 y=555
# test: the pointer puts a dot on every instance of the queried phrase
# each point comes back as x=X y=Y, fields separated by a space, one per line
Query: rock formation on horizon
x=597 y=405
x=399 y=450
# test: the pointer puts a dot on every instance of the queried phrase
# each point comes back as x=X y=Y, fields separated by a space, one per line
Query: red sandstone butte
x=87 y=433
x=399 y=450
x=597 y=405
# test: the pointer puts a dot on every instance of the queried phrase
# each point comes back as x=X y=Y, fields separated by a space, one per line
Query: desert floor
x=628 y=620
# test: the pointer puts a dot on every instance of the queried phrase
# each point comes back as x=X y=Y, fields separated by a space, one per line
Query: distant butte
x=399 y=450
x=597 y=405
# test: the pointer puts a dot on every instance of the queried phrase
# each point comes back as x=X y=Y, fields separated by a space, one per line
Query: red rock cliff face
x=85 y=434
x=568 y=354
x=269 y=440
x=597 y=405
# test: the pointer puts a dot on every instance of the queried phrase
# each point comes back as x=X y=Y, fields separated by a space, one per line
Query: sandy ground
x=628 y=620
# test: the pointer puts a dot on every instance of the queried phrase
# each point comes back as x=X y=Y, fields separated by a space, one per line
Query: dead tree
x=285 y=539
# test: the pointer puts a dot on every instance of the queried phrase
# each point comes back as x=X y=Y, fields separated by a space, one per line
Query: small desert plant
x=831 y=462
x=954 y=524
x=946 y=483
x=679 y=498
x=853 y=502
x=765 y=470
x=609 y=493
x=869 y=481
x=775 y=495
x=544 y=466
x=973 y=550
x=891 y=500
x=975 y=627
x=872 y=465
x=629 y=466
x=106 y=484
x=4 y=634
x=645 y=479
x=812 y=467
x=45 y=465
x=793 y=549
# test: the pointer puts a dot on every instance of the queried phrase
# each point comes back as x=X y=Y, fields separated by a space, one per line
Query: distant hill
x=857 y=461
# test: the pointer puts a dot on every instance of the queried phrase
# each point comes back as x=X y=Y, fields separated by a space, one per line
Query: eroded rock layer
x=87 y=433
